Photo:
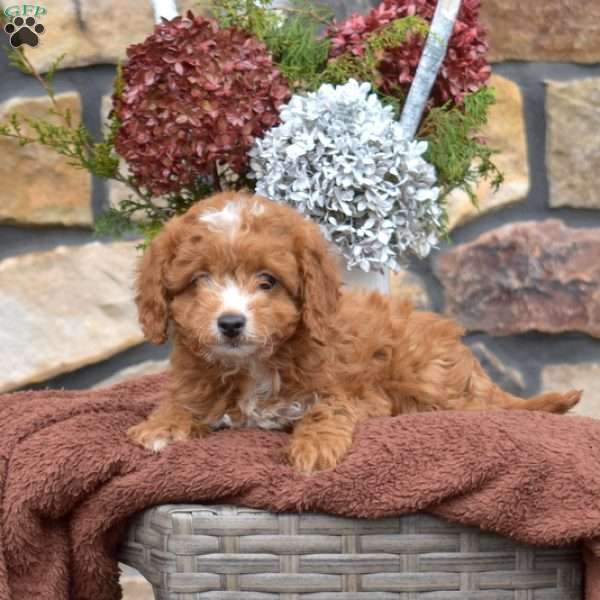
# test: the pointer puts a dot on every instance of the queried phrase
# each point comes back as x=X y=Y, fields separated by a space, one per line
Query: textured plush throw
x=70 y=479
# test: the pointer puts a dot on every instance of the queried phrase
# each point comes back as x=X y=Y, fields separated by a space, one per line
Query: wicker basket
x=193 y=552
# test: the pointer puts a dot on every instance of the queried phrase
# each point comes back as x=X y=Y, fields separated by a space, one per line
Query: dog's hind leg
x=434 y=370
x=484 y=393
x=553 y=402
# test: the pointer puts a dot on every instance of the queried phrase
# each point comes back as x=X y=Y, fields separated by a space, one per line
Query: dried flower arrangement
x=302 y=109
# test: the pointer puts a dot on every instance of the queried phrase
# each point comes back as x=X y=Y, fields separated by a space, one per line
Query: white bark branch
x=164 y=8
x=431 y=60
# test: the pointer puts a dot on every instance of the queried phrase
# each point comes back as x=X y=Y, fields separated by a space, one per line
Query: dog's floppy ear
x=151 y=293
x=320 y=284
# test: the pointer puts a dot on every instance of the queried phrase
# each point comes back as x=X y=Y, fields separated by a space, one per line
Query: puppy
x=263 y=336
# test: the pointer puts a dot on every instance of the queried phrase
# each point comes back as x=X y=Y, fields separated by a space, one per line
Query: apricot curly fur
x=314 y=359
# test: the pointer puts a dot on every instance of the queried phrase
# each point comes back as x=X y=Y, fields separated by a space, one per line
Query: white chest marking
x=264 y=388
x=264 y=385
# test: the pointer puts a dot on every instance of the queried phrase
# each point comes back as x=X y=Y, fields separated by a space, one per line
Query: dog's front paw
x=314 y=453
x=156 y=436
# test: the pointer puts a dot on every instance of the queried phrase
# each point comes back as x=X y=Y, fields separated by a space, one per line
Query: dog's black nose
x=231 y=325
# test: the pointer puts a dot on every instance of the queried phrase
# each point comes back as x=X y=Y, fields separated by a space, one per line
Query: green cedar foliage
x=139 y=213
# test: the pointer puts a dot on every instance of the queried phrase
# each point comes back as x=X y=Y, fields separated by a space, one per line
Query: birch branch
x=164 y=9
x=431 y=60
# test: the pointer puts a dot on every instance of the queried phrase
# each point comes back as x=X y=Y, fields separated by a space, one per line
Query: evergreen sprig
x=297 y=49
x=291 y=33
x=64 y=135
x=460 y=157
x=253 y=16
x=146 y=216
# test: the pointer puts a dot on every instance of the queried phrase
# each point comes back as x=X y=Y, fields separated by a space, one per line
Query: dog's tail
x=551 y=402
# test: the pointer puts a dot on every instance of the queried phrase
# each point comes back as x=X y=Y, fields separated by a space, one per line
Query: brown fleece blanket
x=70 y=479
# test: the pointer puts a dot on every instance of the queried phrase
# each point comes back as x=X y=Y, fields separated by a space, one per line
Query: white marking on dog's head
x=257 y=209
x=228 y=220
x=234 y=299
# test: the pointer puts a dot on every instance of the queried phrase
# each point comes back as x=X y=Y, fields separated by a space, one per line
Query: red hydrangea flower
x=194 y=95
x=464 y=70
x=350 y=35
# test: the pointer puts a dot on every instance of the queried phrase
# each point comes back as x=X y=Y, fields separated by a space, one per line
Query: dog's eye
x=266 y=281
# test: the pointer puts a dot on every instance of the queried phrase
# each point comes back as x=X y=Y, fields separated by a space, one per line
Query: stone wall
x=522 y=272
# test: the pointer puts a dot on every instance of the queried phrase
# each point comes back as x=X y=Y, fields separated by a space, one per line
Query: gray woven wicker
x=193 y=552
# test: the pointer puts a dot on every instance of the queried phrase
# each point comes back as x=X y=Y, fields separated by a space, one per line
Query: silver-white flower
x=340 y=157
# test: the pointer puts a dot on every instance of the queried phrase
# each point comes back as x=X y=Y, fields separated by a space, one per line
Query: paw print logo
x=24 y=31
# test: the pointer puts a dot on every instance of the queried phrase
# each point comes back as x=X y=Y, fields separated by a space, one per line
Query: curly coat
x=312 y=358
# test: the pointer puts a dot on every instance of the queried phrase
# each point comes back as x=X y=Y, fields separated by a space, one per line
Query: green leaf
x=16 y=59
x=460 y=158
x=115 y=223
x=49 y=77
x=291 y=34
